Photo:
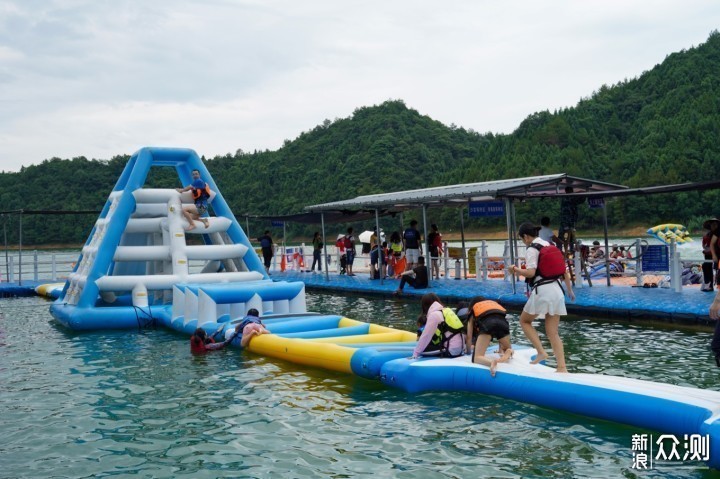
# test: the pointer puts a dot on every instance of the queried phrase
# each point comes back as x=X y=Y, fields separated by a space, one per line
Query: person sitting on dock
x=486 y=322
x=416 y=277
x=249 y=327
x=443 y=331
x=597 y=254
x=201 y=195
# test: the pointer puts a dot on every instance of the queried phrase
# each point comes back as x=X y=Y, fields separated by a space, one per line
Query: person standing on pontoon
x=266 y=244
x=568 y=219
x=546 y=297
x=201 y=195
x=711 y=251
x=435 y=245
x=715 y=314
x=547 y=233
x=412 y=243
x=317 y=252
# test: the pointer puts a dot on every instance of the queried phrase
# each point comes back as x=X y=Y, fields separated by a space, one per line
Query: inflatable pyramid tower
x=140 y=265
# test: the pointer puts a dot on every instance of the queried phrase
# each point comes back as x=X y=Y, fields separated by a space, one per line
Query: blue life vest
x=248 y=320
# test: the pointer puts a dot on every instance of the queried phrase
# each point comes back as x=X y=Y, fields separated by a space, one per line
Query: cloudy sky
x=104 y=77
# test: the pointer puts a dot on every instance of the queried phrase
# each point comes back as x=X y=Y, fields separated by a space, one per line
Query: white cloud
x=99 y=78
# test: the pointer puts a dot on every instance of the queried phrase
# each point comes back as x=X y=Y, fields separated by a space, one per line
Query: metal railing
x=36 y=266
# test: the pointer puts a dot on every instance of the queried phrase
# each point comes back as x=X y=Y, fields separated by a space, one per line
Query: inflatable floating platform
x=144 y=264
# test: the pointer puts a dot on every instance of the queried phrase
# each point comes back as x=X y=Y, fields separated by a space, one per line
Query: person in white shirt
x=546 y=297
x=546 y=233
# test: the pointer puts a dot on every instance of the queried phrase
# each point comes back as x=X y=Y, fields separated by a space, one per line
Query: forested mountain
x=662 y=127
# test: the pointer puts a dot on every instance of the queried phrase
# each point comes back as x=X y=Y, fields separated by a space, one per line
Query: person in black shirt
x=266 y=243
x=412 y=242
x=416 y=277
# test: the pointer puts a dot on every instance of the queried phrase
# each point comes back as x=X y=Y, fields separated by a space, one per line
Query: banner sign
x=481 y=209
x=596 y=202
x=656 y=258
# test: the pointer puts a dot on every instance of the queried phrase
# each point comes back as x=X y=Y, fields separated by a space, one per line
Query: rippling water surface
x=129 y=404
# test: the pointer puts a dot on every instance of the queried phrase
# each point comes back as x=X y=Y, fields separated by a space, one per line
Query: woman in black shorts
x=487 y=322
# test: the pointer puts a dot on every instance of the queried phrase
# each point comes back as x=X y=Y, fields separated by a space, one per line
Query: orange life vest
x=485 y=308
x=199 y=193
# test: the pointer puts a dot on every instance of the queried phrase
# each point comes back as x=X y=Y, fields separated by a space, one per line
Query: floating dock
x=690 y=306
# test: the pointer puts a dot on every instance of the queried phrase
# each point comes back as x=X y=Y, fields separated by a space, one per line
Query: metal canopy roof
x=534 y=186
x=656 y=190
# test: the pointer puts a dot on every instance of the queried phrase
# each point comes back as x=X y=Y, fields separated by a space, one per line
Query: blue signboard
x=480 y=209
x=278 y=223
x=596 y=202
x=656 y=258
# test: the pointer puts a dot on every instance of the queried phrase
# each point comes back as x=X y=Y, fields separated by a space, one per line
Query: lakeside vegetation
x=659 y=128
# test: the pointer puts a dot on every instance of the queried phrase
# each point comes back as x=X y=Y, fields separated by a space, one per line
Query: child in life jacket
x=201 y=343
x=487 y=322
x=442 y=327
x=433 y=348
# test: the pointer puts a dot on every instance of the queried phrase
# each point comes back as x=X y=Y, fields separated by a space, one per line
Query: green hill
x=662 y=127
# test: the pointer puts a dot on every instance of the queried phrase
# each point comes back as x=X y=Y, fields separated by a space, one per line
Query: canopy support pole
x=379 y=249
x=462 y=237
x=515 y=230
x=428 y=264
x=607 y=250
x=247 y=226
x=7 y=268
x=326 y=266
x=508 y=216
x=20 y=252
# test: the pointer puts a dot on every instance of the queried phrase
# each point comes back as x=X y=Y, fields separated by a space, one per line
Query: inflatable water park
x=144 y=263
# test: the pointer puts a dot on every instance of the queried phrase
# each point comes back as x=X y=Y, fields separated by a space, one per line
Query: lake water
x=137 y=404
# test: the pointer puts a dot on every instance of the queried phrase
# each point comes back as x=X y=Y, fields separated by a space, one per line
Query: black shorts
x=495 y=326
x=267 y=256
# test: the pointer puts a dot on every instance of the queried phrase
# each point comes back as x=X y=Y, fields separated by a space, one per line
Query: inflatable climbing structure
x=137 y=264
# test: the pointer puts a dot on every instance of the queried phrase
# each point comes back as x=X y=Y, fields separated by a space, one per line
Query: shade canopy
x=461 y=194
